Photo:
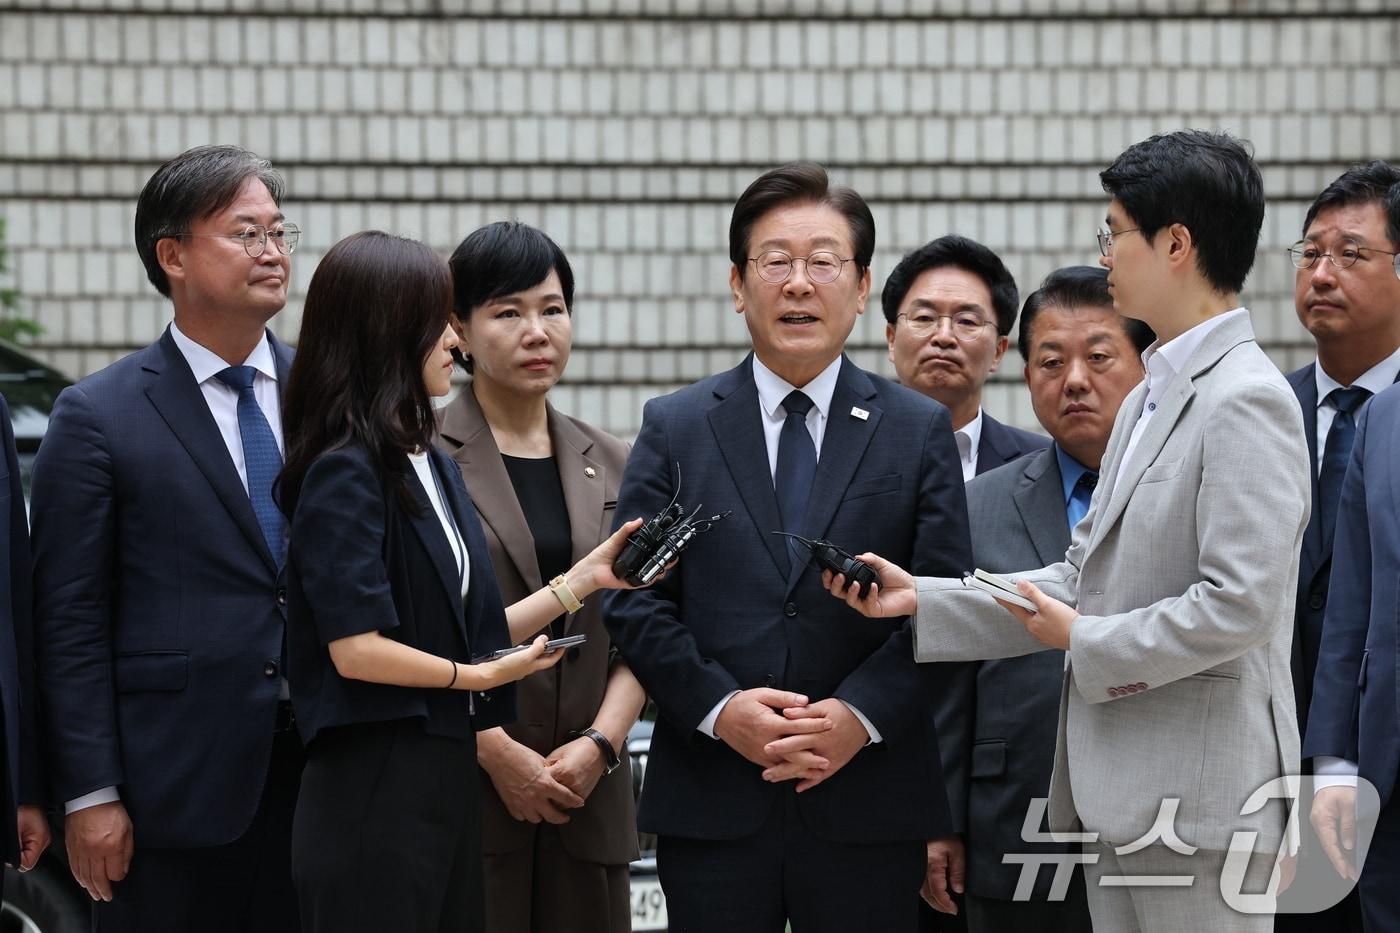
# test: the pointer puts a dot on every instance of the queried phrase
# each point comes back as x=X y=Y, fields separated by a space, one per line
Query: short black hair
x=962 y=253
x=794 y=183
x=1075 y=287
x=503 y=258
x=1375 y=182
x=1209 y=183
x=195 y=184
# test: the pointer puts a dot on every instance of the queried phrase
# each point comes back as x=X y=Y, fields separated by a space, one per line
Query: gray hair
x=195 y=184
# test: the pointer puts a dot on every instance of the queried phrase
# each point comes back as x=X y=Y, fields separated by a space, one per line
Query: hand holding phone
x=554 y=644
x=998 y=586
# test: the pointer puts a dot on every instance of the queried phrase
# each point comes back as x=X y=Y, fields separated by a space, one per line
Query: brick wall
x=627 y=128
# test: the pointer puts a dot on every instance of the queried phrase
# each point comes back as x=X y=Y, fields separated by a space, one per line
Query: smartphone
x=998 y=586
x=554 y=644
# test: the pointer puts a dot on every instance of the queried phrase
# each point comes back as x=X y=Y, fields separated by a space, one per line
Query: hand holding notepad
x=998 y=586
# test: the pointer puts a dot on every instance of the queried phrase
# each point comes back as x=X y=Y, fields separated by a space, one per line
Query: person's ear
x=736 y=288
x=889 y=340
x=170 y=255
x=863 y=291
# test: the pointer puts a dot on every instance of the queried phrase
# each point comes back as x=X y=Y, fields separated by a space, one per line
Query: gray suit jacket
x=1178 y=684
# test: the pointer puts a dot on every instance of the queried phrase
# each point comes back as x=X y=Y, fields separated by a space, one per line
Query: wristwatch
x=610 y=760
x=560 y=588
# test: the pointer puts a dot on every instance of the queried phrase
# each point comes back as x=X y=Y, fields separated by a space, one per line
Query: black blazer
x=159 y=615
x=736 y=613
x=358 y=561
x=1314 y=563
x=1001 y=443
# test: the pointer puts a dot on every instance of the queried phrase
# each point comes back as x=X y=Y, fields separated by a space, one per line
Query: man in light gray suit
x=1174 y=599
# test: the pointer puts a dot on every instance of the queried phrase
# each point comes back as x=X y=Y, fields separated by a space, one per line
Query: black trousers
x=388 y=832
x=1380 y=896
x=786 y=872
x=242 y=887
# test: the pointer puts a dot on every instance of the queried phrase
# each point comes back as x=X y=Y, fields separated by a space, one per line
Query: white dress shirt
x=969 y=438
x=1327 y=770
x=424 y=470
x=1162 y=362
x=772 y=389
x=223 y=405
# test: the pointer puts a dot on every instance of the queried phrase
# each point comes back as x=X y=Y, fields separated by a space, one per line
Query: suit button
x=281 y=596
x=790 y=610
x=1141 y=686
x=1315 y=601
x=769 y=680
x=574 y=652
x=270 y=669
x=1114 y=692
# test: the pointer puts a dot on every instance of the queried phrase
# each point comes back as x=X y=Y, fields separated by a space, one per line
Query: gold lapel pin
x=860 y=413
x=589 y=472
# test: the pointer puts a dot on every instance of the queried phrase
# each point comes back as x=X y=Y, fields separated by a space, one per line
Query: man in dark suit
x=794 y=772
x=1081 y=359
x=23 y=826
x=158 y=556
x=949 y=309
x=1353 y=314
x=1354 y=721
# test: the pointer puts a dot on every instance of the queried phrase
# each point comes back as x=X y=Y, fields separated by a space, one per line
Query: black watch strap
x=610 y=760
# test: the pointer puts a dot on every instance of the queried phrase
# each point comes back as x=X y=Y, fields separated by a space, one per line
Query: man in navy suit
x=1353 y=314
x=949 y=309
x=1353 y=725
x=158 y=555
x=794 y=769
x=24 y=831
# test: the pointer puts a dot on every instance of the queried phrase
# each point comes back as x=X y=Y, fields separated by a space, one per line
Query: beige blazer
x=1177 y=683
x=564 y=698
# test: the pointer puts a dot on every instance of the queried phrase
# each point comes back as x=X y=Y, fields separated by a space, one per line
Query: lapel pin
x=860 y=413
x=589 y=472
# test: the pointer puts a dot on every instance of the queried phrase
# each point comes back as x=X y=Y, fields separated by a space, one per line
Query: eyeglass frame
x=266 y=234
x=1105 y=238
x=793 y=260
x=1394 y=254
x=952 y=319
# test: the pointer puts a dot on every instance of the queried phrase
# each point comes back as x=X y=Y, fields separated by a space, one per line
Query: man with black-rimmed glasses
x=159 y=607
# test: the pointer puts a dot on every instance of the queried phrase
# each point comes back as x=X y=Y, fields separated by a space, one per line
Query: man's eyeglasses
x=255 y=236
x=967 y=325
x=775 y=266
x=1106 y=236
x=1343 y=256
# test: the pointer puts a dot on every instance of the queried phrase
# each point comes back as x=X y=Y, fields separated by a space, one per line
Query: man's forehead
x=1363 y=222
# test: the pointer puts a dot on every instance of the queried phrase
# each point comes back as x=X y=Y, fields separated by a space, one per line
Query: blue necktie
x=797 y=463
x=1079 y=497
x=1335 y=457
x=261 y=458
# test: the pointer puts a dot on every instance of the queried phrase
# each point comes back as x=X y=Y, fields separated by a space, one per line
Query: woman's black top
x=360 y=561
x=541 y=497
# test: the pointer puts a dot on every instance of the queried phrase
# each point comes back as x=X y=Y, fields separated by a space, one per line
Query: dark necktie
x=797 y=463
x=261 y=458
x=1335 y=457
x=1080 y=495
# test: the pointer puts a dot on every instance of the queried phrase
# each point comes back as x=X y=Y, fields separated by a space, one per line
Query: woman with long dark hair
x=557 y=815
x=391 y=594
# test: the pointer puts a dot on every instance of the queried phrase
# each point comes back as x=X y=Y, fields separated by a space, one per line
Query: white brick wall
x=626 y=128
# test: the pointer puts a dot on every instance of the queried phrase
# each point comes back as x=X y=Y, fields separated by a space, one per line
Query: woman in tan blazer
x=558 y=824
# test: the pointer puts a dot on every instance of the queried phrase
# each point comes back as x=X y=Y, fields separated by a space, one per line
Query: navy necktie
x=1080 y=495
x=261 y=458
x=1335 y=457
x=797 y=463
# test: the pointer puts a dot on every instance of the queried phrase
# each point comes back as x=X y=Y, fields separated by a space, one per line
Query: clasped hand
x=790 y=737
x=897 y=595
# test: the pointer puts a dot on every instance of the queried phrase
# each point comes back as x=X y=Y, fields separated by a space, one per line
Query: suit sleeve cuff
x=869 y=726
x=707 y=725
x=100 y=796
x=1333 y=772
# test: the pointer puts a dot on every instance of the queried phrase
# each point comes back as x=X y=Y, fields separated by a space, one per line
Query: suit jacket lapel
x=180 y=402
x=843 y=447
x=738 y=431
x=584 y=481
x=428 y=527
x=1305 y=387
x=464 y=427
x=1040 y=499
x=994 y=446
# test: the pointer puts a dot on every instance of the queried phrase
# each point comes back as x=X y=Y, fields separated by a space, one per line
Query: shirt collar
x=1070 y=471
x=1175 y=352
x=772 y=388
x=973 y=432
x=1376 y=379
x=206 y=364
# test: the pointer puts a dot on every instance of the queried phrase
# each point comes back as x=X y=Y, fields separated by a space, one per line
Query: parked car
x=648 y=903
